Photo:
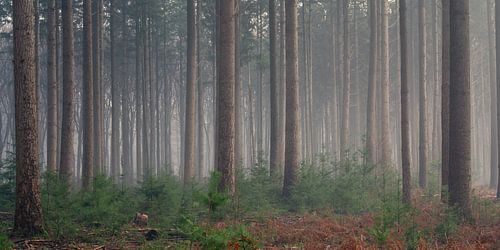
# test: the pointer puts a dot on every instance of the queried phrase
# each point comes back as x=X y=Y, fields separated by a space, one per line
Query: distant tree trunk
x=138 y=98
x=97 y=81
x=201 y=94
x=386 y=133
x=190 y=124
x=238 y=111
x=493 y=96
x=126 y=161
x=344 y=137
x=115 y=98
x=88 y=98
x=371 y=132
x=225 y=97
x=276 y=149
x=445 y=99
x=52 y=88
x=68 y=115
x=333 y=68
x=405 y=104
x=147 y=173
x=422 y=170
x=292 y=136
x=28 y=217
x=497 y=42
x=460 y=108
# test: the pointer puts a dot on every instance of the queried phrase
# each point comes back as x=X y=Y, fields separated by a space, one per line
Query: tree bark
x=445 y=99
x=88 y=99
x=28 y=216
x=386 y=133
x=493 y=96
x=52 y=88
x=460 y=108
x=97 y=82
x=275 y=149
x=225 y=97
x=115 y=97
x=422 y=170
x=372 y=86
x=190 y=124
x=68 y=125
x=405 y=103
x=344 y=137
x=292 y=129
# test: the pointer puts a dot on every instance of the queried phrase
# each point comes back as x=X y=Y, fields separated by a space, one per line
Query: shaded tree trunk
x=28 y=216
x=460 y=108
x=405 y=104
x=344 y=137
x=372 y=83
x=386 y=133
x=276 y=147
x=88 y=99
x=493 y=97
x=190 y=124
x=52 y=88
x=97 y=82
x=445 y=99
x=292 y=129
x=422 y=170
x=225 y=97
x=68 y=114
x=115 y=97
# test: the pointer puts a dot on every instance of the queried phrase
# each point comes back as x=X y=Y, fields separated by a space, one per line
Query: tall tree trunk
x=405 y=103
x=201 y=95
x=333 y=67
x=88 y=98
x=28 y=217
x=115 y=97
x=52 y=88
x=276 y=150
x=372 y=86
x=445 y=99
x=147 y=173
x=190 y=124
x=493 y=96
x=126 y=161
x=460 y=108
x=292 y=136
x=97 y=81
x=68 y=114
x=225 y=97
x=344 y=137
x=497 y=42
x=138 y=98
x=238 y=111
x=386 y=133
x=422 y=170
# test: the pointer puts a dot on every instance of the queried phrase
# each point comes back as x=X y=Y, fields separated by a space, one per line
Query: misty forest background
x=196 y=112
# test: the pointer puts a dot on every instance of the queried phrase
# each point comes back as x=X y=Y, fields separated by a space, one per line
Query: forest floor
x=431 y=229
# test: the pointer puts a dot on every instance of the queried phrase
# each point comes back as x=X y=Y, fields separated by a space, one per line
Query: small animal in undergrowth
x=152 y=235
x=141 y=219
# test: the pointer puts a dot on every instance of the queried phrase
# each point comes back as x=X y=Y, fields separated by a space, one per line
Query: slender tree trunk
x=201 y=95
x=97 y=73
x=138 y=98
x=190 y=124
x=493 y=96
x=405 y=103
x=68 y=114
x=52 y=88
x=126 y=161
x=28 y=217
x=344 y=138
x=497 y=42
x=225 y=97
x=445 y=99
x=460 y=108
x=372 y=83
x=386 y=133
x=422 y=170
x=292 y=136
x=333 y=67
x=115 y=97
x=88 y=98
x=238 y=139
x=276 y=149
